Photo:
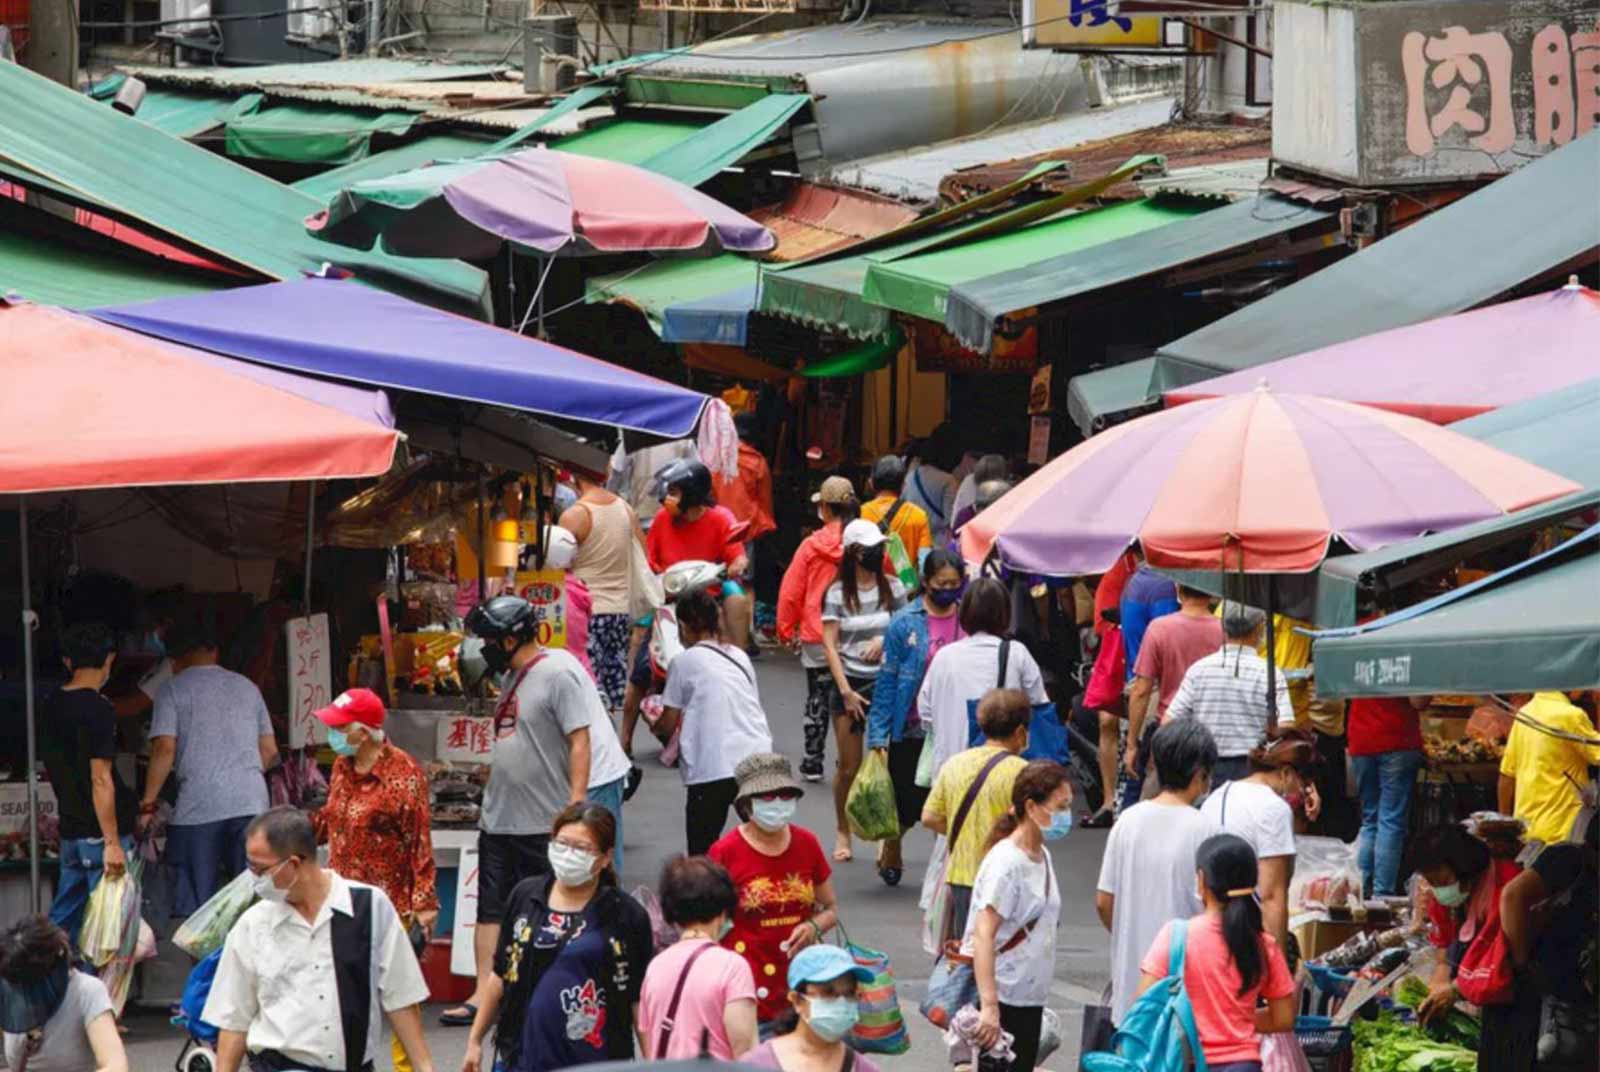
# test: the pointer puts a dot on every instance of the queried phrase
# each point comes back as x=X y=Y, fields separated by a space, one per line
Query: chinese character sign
x=547 y=591
x=464 y=738
x=310 y=678
x=463 y=960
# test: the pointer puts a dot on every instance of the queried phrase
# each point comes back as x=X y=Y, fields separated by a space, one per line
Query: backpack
x=1158 y=1034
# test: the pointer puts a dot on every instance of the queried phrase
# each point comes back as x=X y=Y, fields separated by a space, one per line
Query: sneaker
x=811 y=776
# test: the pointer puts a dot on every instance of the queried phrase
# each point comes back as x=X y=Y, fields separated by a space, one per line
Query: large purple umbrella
x=549 y=202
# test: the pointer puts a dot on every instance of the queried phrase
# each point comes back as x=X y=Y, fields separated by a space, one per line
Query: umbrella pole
x=27 y=688
x=537 y=301
x=1272 y=652
x=311 y=529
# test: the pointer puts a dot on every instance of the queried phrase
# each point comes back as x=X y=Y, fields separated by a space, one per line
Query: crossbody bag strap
x=1222 y=819
x=711 y=646
x=922 y=489
x=1022 y=932
x=849 y=1062
x=1005 y=658
x=888 y=519
x=971 y=798
x=665 y=1035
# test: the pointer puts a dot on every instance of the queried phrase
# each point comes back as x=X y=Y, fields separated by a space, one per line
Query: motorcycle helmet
x=496 y=619
x=690 y=478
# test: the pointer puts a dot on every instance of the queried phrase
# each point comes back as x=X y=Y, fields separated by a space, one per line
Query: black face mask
x=25 y=1006
x=496 y=658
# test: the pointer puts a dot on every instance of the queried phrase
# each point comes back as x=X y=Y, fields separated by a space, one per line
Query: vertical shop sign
x=463 y=961
x=547 y=591
x=1038 y=440
x=310 y=680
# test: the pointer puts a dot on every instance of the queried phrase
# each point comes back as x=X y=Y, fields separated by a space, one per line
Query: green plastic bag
x=900 y=561
x=870 y=805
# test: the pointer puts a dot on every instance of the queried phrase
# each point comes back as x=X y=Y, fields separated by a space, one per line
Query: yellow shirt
x=1293 y=653
x=994 y=800
x=1550 y=772
x=910 y=524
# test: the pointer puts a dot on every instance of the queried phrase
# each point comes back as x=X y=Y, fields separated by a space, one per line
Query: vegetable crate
x=1327 y=1048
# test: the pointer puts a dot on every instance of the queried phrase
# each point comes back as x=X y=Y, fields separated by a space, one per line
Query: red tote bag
x=1484 y=977
x=1109 y=675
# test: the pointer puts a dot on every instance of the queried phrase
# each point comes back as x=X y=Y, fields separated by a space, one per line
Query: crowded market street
x=873 y=913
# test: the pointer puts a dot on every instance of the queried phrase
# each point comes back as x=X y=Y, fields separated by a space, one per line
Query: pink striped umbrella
x=546 y=201
x=1258 y=483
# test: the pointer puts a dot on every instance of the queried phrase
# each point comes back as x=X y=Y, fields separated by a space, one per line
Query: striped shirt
x=1227 y=693
x=860 y=627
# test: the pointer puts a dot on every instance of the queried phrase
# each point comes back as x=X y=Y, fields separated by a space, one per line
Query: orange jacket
x=805 y=582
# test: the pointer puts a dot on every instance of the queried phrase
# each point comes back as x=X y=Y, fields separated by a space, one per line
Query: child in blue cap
x=810 y=1036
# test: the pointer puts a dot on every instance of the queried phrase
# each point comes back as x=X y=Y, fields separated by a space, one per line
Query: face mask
x=724 y=930
x=772 y=815
x=1450 y=896
x=573 y=867
x=944 y=597
x=1060 y=826
x=832 y=1018
x=495 y=657
x=267 y=889
x=339 y=741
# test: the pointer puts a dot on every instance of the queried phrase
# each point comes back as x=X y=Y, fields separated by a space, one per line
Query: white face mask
x=267 y=889
x=573 y=867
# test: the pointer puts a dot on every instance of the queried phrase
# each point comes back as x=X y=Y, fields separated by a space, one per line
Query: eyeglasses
x=578 y=846
x=268 y=868
x=779 y=794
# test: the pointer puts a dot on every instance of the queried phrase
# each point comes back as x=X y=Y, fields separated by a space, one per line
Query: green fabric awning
x=187 y=193
x=628 y=141
x=413 y=154
x=664 y=283
x=49 y=273
x=870 y=356
x=581 y=97
x=1527 y=628
x=1095 y=396
x=188 y=115
x=695 y=159
x=1555 y=431
x=919 y=286
x=311 y=134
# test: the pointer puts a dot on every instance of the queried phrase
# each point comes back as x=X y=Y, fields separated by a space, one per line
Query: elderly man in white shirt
x=309 y=972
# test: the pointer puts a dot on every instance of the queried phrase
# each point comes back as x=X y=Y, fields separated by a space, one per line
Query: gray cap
x=763 y=773
x=1239 y=620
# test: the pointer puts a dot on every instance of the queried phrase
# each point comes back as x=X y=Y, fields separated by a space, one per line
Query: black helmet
x=889 y=473
x=501 y=617
x=690 y=478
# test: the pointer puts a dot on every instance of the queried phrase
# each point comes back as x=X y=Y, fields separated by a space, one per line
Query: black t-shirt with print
x=75 y=726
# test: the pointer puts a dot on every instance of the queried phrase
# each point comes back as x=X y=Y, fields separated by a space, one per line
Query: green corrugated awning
x=1554 y=431
x=694 y=160
x=919 y=286
x=49 y=273
x=628 y=141
x=185 y=192
x=870 y=356
x=413 y=154
x=187 y=115
x=1527 y=628
x=1095 y=396
x=311 y=134
x=578 y=98
x=667 y=282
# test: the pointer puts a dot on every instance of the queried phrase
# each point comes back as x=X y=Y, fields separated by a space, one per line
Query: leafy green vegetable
x=1454 y=1026
x=1388 y=1045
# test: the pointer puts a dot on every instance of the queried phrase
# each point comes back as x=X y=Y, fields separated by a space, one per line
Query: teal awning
x=311 y=134
x=1527 y=628
x=50 y=273
x=1555 y=431
x=184 y=192
x=665 y=283
x=413 y=154
x=628 y=141
x=188 y=115
x=581 y=97
x=1094 y=397
x=695 y=159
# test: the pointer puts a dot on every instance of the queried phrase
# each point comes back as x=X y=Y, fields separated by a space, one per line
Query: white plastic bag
x=1327 y=874
x=204 y=932
x=934 y=896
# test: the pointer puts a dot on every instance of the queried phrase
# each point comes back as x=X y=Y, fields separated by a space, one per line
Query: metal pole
x=27 y=687
x=483 y=542
x=311 y=527
x=1272 y=652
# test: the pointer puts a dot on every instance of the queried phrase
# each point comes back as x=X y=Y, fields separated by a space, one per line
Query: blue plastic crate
x=1319 y=1037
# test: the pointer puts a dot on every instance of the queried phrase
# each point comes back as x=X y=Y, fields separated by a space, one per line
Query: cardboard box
x=1319 y=936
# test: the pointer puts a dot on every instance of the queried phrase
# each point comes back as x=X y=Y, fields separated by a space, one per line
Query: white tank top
x=602 y=561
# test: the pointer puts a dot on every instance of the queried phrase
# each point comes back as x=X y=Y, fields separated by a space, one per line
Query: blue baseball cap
x=824 y=964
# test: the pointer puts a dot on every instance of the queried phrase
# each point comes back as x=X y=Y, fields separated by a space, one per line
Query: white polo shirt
x=275 y=980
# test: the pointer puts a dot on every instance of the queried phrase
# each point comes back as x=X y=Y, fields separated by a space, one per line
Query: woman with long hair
x=1230 y=963
x=1011 y=927
x=55 y=1018
x=809 y=1036
x=571 y=958
x=856 y=610
x=896 y=723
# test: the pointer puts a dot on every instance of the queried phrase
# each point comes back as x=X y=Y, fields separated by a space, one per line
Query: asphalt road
x=875 y=915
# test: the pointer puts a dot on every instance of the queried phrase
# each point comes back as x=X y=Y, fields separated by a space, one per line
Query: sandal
x=843 y=850
x=452 y=1018
x=891 y=875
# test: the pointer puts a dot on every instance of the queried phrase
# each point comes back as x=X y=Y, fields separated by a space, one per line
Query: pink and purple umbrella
x=547 y=202
x=1253 y=483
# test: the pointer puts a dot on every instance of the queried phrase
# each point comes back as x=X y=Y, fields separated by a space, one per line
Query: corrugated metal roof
x=1231 y=181
x=1183 y=145
x=413 y=154
x=53 y=273
x=356 y=72
x=815 y=220
x=915 y=174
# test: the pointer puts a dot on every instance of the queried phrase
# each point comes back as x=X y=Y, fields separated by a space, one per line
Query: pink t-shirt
x=579 y=605
x=718 y=979
x=941 y=631
x=764 y=1057
x=1172 y=644
x=1225 y=1018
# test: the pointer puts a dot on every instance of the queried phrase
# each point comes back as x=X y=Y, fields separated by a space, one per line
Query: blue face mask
x=832 y=1018
x=944 y=597
x=340 y=742
x=1060 y=826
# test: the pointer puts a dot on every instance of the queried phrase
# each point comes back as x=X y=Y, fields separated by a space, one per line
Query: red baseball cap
x=355 y=705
